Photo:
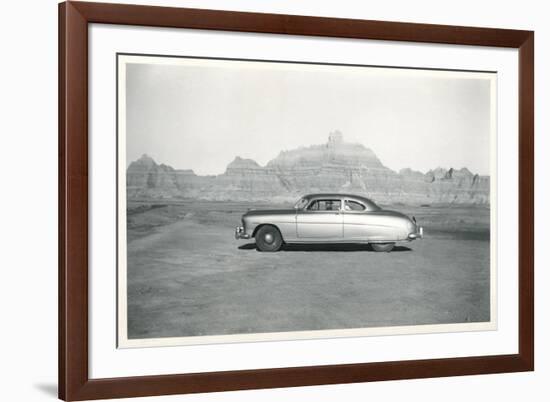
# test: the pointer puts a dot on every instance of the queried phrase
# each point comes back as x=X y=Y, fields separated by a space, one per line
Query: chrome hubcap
x=268 y=238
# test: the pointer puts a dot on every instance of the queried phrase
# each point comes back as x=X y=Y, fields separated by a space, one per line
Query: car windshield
x=301 y=203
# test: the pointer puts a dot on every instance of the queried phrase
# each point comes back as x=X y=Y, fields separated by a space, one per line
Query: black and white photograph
x=262 y=200
x=270 y=201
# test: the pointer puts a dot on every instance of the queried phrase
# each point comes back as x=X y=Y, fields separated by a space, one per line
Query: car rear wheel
x=381 y=247
x=268 y=238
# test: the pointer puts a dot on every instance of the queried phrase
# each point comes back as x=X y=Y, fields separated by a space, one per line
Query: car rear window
x=353 y=206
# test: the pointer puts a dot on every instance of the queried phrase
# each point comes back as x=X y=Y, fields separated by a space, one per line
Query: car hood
x=259 y=212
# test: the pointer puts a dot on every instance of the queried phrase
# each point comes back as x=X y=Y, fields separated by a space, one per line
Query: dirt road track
x=192 y=278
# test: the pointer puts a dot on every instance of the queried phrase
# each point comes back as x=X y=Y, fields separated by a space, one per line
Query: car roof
x=360 y=198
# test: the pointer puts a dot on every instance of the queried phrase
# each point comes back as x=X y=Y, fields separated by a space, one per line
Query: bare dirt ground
x=188 y=276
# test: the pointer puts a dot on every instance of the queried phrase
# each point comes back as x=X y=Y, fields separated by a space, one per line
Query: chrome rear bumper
x=418 y=235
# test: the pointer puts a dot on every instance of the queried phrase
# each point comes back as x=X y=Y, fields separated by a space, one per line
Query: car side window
x=353 y=206
x=325 y=205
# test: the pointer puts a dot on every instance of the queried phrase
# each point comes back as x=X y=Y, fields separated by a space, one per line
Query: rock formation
x=336 y=166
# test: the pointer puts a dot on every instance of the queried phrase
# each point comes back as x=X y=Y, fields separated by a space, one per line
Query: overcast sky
x=200 y=114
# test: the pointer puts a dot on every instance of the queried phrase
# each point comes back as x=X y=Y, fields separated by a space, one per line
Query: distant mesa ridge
x=336 y=166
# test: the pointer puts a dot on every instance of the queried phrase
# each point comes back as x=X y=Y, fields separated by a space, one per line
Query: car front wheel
x=387 y=247
x=268 y=238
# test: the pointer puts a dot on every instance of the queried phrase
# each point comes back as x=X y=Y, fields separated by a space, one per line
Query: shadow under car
x=339 y=247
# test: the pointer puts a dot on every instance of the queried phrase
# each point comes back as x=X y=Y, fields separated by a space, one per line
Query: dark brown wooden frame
x=74 y=383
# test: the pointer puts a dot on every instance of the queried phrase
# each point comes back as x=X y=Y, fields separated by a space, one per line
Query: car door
x=322 y=219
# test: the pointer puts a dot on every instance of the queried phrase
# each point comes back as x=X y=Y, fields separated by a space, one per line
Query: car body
x=328 y=218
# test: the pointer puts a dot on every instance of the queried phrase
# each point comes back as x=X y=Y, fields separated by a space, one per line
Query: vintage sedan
x=328 y=218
